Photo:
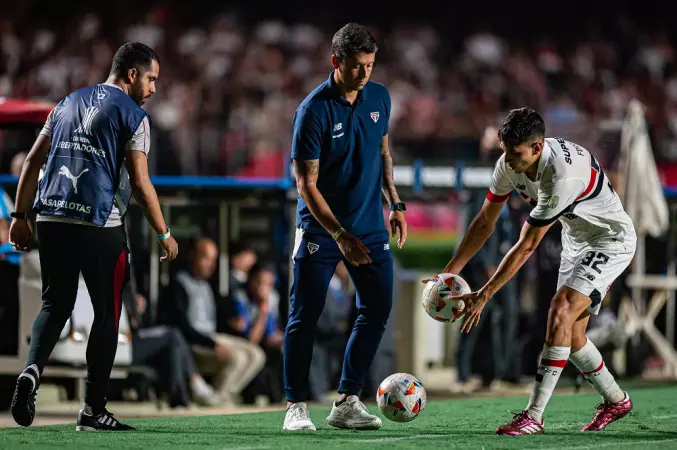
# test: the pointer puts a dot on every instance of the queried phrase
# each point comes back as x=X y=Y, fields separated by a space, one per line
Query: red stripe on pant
x=593 y=371
x=554 y=362
x=118 y=283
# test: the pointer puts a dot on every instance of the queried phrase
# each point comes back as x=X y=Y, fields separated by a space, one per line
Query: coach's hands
x=171 y=249
x=398 y=224
x=353 y=249
x=20 y=235
x=474 y=304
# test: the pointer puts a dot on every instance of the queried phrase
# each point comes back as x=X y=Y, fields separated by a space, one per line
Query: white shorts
x=591 y=272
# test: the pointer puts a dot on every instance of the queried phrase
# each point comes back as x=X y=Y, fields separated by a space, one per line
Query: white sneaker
x=297 y=418
x=203 y=394
x=352 y=414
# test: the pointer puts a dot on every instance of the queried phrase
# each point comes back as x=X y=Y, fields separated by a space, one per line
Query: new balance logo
x=67 y=173
x=86 y=124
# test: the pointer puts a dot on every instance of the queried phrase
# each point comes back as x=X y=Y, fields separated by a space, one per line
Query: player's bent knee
x=562 y=313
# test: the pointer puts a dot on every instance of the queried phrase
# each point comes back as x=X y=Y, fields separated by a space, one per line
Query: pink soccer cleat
x=608 y=412
x=520 y=425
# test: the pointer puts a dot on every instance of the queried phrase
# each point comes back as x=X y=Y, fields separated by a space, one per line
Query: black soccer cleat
x=23 y=402
x=100 y=422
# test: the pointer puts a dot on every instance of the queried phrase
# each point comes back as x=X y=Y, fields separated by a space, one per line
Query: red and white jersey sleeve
x=501 y=183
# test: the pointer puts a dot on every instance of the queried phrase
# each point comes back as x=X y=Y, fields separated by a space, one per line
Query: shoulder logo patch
x=312 y=248
x=374 y=116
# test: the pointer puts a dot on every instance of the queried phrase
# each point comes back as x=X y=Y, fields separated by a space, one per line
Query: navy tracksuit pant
x=315 y=259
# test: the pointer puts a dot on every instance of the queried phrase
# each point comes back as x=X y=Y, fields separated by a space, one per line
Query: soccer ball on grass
x=401 y=397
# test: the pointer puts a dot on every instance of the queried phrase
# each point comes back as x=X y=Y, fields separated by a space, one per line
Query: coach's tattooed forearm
x=388 y=184
x=307 y=173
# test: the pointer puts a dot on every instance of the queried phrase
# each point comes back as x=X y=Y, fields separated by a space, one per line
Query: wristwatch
x=19 y=216
x=398 y=207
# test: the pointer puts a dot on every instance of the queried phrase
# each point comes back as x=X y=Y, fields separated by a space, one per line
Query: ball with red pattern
x=437 y=293
x=401 y=397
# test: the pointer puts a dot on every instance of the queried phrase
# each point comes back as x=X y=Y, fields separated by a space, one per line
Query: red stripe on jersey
x=591 y=183
x=596 y=370
x=554 y=362
x=494 y=198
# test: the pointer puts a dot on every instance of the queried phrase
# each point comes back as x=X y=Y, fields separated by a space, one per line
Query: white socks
x=589 y=361
x=552 y=363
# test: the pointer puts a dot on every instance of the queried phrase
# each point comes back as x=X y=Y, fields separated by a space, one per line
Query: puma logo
x=67 y=173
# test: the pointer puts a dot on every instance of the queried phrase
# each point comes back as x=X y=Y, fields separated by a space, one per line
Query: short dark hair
x=520 y=126
x=133 y=55
x=351 y=39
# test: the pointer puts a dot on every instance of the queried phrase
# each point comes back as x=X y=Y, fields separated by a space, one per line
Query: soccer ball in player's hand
x=401 y=397
x=437 y=293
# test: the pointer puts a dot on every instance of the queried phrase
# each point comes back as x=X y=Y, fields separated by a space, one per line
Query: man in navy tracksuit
x=342 y=164
x=94 y=147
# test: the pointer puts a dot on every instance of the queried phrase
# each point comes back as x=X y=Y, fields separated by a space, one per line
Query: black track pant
x=102 y=255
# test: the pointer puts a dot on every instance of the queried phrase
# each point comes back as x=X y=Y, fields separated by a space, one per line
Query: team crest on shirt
x=374 y=116
x=312 y=248
x=553 y=201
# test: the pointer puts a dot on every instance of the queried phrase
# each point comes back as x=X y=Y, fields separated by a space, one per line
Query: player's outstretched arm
x=530 y=237
x=474 y=302
x=478 y=232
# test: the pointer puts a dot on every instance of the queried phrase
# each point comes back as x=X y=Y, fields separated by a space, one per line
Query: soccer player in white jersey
x=565 y=182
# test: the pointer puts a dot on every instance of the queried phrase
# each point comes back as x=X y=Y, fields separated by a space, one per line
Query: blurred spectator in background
x=164 y=349
x=331 y=335
x=190 y=304
x=255 y=320
x=231 y=85
x=242 y=259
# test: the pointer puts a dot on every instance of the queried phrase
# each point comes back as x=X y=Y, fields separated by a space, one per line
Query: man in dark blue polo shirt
x=342 y=164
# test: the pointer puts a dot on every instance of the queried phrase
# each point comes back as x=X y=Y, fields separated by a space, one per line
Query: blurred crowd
x=228 y=87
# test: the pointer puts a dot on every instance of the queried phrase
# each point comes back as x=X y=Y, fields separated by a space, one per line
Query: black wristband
x=19 y=216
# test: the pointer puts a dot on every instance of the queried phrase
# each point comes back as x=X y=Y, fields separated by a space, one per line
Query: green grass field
x=467 y=423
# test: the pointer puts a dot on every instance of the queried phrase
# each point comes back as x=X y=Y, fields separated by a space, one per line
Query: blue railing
x=202 y=182
x=417 y=176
